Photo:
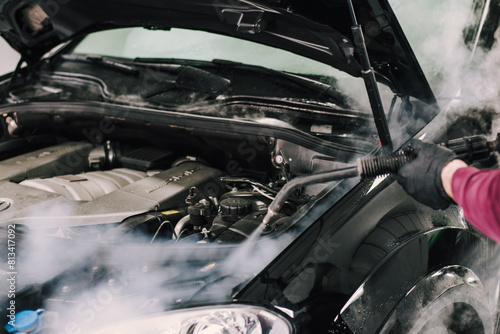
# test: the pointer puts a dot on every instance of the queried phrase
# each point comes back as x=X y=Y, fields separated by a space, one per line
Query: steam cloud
x=94 y=283
x=435 y=30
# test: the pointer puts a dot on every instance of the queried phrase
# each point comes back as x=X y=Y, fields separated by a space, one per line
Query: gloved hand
x=421 y=178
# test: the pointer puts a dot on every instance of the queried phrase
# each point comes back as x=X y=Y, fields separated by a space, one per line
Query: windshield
x=214 y=69
x=197 y=45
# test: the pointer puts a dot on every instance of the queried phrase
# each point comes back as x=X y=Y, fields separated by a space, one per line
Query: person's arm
x=477 y=191
x=436 y=178
x=447 y=175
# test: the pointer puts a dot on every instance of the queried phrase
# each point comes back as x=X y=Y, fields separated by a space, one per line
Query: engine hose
x=180 y=226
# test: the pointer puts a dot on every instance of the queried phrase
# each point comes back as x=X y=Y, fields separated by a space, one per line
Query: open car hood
x=320 y=29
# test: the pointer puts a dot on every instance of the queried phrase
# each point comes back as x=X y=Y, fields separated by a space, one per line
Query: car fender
x=383 y=294
x=433 y=294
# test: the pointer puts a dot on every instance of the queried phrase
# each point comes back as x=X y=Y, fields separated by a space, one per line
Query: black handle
x=469 y=149
x=474 y=148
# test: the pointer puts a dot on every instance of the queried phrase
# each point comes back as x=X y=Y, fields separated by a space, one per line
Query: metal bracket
x=246 y=21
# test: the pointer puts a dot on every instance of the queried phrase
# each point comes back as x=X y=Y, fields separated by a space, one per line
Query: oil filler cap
x=26 y=322
x=235 y=206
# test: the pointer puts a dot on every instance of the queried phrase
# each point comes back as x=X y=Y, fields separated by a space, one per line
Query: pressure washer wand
x=469 y=149
x=365 y=168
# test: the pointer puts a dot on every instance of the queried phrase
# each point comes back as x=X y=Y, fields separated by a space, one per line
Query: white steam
x=138 y=282
x=436 y=31
x=93 y=283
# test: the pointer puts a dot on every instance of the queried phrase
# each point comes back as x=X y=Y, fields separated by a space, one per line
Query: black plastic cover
x=316 y=29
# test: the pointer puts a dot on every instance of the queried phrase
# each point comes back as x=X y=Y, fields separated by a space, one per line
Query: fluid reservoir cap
x=26 y=321
x=236 y=206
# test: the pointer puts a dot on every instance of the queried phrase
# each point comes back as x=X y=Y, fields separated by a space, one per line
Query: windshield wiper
x=189 y=76
x=186 y=77
x=192 y=78
x=304 y=81
x=103 y=61
x=316 y=85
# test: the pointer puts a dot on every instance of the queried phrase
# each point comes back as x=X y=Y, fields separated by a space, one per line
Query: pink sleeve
x=477 y=191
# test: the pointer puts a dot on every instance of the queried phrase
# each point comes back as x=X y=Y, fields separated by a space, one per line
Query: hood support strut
x=371 y=84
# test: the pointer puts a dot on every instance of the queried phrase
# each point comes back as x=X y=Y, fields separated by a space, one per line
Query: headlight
x=229 y=319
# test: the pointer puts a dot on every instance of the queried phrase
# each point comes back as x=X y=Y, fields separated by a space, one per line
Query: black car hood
x=318 y=29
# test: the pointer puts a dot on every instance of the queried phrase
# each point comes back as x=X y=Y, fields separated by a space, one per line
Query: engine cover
x=87 y=186
x=32 y=205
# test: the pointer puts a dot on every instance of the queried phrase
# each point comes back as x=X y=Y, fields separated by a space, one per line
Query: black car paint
x=289 y=25
x=313 y=263
x=329 y=251
x=311 y=267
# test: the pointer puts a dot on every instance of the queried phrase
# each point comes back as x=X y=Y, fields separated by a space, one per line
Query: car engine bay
x=119 y=188
x=96 y=201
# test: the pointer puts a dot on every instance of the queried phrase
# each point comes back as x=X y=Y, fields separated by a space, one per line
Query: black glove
x=421 y=178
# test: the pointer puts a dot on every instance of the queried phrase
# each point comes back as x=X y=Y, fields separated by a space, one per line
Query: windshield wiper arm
x=304 y=81
x=192 y=78
x=103 y=61
x=187 y=77
x=316 y=85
